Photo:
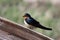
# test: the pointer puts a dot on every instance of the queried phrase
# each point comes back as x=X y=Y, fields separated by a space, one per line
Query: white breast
x=28 y=26
x=26 y=22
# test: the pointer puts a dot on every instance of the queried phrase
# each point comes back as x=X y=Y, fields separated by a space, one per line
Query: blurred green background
x=47 y=12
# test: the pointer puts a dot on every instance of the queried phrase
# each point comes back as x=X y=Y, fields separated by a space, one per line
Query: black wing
x=35 y=23
x=32 y=21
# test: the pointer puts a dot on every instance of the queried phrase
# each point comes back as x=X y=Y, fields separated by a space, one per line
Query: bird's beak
x=23 y=16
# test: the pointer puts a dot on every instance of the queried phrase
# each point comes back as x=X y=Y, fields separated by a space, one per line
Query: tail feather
x=45 y=28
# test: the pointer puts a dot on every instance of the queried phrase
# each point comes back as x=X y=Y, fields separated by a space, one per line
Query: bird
x=28 y=20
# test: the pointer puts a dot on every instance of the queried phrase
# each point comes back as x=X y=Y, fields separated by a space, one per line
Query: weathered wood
x=5 y=36
x=20 y=31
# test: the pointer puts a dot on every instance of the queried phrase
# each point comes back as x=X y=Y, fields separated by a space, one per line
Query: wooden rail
x=20 y=31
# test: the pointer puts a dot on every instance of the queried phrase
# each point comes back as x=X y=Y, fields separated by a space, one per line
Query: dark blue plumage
x=29 y=20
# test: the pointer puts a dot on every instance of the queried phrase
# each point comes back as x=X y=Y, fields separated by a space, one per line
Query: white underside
x=26 y=23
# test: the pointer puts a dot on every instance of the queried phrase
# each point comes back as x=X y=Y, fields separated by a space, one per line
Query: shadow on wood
x=20 y=31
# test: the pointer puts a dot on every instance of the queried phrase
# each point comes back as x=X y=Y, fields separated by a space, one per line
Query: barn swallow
x=31 y=21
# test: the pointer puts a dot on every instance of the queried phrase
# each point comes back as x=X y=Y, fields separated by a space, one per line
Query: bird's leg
x=31 y=27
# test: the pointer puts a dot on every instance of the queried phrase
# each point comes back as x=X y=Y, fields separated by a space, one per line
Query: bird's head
x=26 y=16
